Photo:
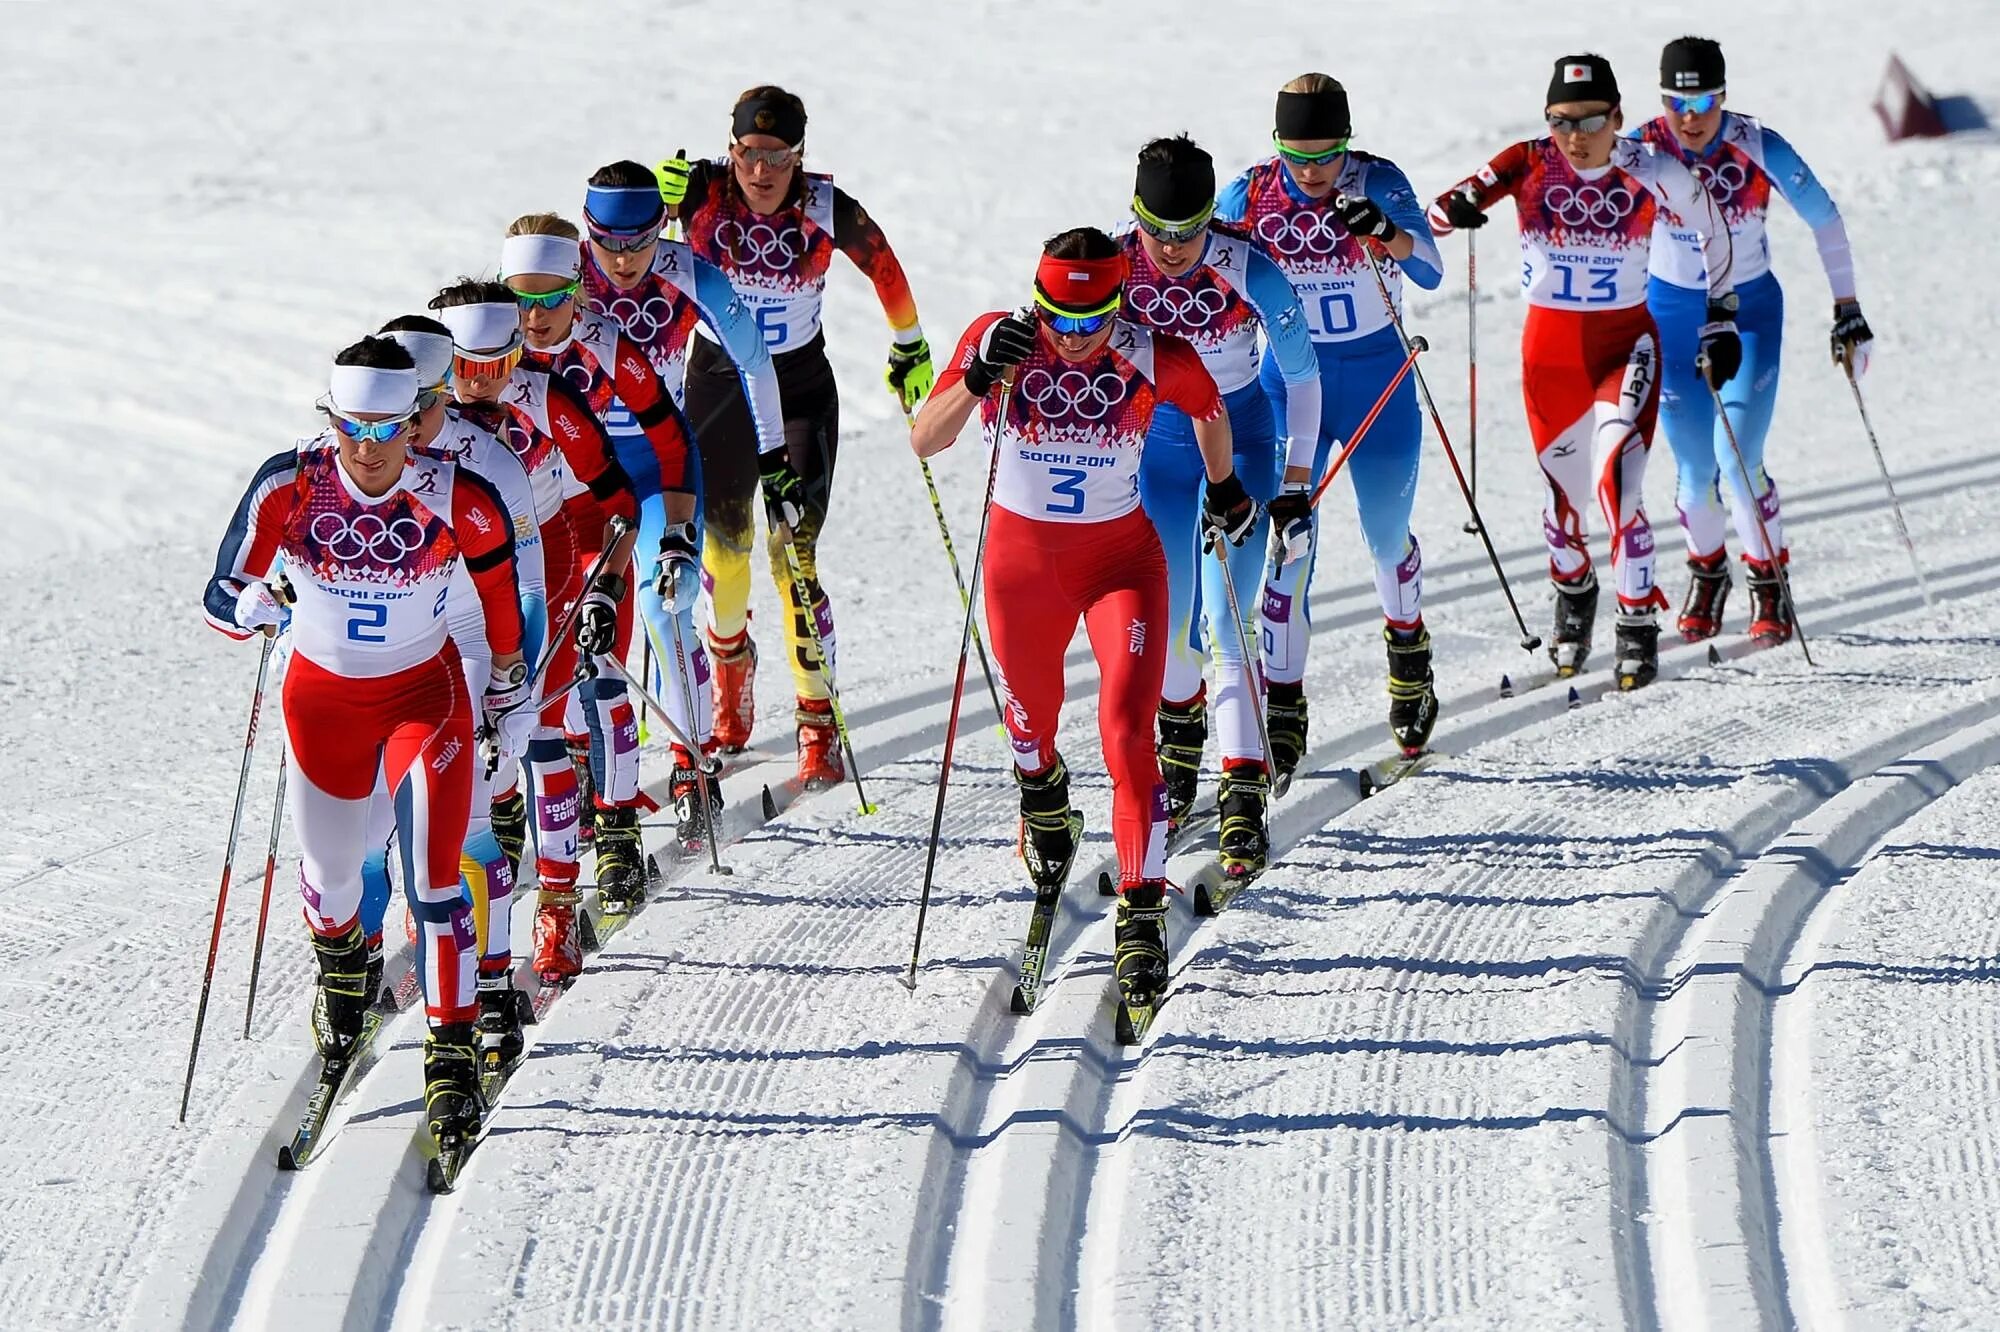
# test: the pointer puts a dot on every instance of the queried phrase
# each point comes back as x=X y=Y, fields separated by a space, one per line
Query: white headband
x=431 y=352
x=482 y=330
x=556 y=256
x=363 y=390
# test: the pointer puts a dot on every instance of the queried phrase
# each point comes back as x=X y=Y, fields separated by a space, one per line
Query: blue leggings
x=1701 y=446
x=1170 y=488
x=1383 y=473
x=635 y=454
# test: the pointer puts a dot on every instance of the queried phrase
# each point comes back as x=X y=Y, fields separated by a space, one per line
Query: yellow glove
x=910 y=375
x=673 y=174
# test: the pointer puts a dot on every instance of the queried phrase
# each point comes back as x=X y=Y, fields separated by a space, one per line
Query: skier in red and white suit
x=1068 y=539
x=371 y=537
x=1590 y=371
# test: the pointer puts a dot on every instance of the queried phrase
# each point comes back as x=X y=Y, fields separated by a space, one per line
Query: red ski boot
x=819 y=746
x=735 y=698
x=558 y=947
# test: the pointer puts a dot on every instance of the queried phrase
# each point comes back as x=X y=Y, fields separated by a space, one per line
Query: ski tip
x=770 y=804
x=287 y=1161
x=1506 y=687
x=1575 y=699
x=1365 y=780
x=1105 y=887
x=1204 y=902
x=1714 y=657
x=1019 y=1003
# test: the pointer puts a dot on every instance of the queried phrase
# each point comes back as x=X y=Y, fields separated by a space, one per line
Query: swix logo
x=477 y=516
x=568 y=427
x=446 y=755
x=1135 y=637
x=633 y=366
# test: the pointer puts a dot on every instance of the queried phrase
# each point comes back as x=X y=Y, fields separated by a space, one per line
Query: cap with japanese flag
x=1583 y=78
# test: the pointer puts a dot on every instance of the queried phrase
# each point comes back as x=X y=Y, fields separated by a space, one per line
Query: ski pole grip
x=1418 y=341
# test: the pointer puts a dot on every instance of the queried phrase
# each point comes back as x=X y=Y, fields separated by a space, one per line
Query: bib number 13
x=1603 y=285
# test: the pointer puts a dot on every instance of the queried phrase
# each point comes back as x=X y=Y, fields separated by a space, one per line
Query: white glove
x=258 y=607
x=1291 y=522
x=677 y=575
x=508 y=711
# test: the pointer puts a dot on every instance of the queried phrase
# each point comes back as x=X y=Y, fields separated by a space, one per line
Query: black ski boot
x=1576 y=613
x=1413 y=700
x=341 y=1001
x=1245 y=844
x=1770 y=623
x=500 y=1039
x=621 y=879
x=586 y=789
x=1141 y=954
x=451 y=1084
x=510 y=829
x=1638 y=648
x=1708 y=589
x=690 y=806
x=1050 y=829
x=1183 y=732
x=1285 y=716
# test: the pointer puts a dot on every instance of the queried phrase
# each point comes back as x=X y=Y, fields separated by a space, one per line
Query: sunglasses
x=1699 y=105
x=623 y=241
x=770 y=157
x=1579 y=124
x=1076 y=323
x=1307 y=159
x=547 y=300
x=464 y=366
x=367 y=432
x=1161 y=229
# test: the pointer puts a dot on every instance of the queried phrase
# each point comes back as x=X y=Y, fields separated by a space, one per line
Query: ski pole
x=228 y=861
x=707 y=763
x=1895 y=505
x=1472 y=362
x=701 y=778
x=805 y=606
x=1529 y=642
x=264 y=905
x=951 y=555
x=646 y=670
x=1756 y=507
x=958 y=684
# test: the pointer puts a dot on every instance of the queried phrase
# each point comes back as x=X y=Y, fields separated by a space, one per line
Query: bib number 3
x=1066 y=486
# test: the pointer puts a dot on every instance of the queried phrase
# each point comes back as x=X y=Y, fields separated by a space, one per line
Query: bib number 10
x=1603 y=285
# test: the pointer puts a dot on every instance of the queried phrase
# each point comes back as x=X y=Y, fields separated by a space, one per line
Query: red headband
x=1081 y=285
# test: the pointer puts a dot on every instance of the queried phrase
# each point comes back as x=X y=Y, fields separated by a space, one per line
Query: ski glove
x=909 y=375
x=1851 y=336
x=1363 y=217
x=1721 y=347
x=784 y=493
x=677 y=576
x=673 y=175
x=508 y=711
x=1227 y=513
x=1007 y=343
x=1460 y=210
x=259 y=608
x=1291 y=522
x=597 y=621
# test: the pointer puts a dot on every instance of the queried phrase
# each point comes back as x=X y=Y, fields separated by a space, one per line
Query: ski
x=1035 y=955
x=336 y=1078
x=1387 y=772
x=1213 y=891
x=1132 y=1022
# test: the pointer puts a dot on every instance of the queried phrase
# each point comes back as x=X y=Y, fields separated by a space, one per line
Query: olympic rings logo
x=1073 y=393
x=583 y=377
x=389 y=542
x=1296 y=234
x=1185 y=306
x=644 y=320
x=761 y=243
x=1722 y=181
x=1589 y=205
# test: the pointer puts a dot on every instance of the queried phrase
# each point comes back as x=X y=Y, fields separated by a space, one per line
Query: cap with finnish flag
x=1583 y=78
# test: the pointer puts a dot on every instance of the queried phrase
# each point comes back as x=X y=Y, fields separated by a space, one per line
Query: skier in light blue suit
x=1314 y=205
x=1741 y=163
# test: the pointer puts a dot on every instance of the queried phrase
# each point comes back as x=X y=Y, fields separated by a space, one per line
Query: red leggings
x=1041 y=578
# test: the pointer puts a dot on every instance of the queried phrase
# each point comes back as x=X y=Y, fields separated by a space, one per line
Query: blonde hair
x=1313 y=83
x=544 y=224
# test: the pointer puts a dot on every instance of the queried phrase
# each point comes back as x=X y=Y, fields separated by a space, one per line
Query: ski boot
x=1638 y=637
x=451 y=1084
x=1183 y=732
x=500 y=1039
x=341 y=1001
x=558 y=947
x=1708 y=589
x=1246 y=844
x=1050 y=829
x=1770 y=620
x=691 y=803
x=621 y=878
x=819 y=746
x=510 y=829
x=586 y=788
x=1576 y=612
x=1285 y=717
x=1141 y=952
x=735 y=696
x=1413 y=700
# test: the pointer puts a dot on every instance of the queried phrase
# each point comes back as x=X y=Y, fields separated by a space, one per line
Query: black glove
x=1460 y=209
x=597 y=619
x=1291 y=522
x=1721 y=348
x=1006 y=344
x=1227 y=512
x=677 y=575
x=784 y=493
x=1362 y=217
x=1850 y=332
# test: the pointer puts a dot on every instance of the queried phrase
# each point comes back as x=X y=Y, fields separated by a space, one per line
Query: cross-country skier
x=1069 y=540
x=1313 y=206
x=1216 y=289
x=548 y=424
x=1590 y=376
x=1741 y=162
x=773 y=227
x=541 y=262
x=371 y=538
x=659 y=291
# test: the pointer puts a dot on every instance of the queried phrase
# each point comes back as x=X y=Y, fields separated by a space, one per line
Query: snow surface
x=1674 y=1010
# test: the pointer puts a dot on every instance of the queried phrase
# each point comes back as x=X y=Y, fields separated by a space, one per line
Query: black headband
x=1313 y=115
x=1174 y=192
x=780 y=117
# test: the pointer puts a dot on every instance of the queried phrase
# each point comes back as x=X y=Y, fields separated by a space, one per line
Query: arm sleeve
x=1684 y=196
x=729 y=317
x=485 y=536
x=587 y=450
x=1290 y=339
x=1183 y=380
x=1390 y=189
x=1233 y=202
x=249 y=546
x=968 y=351
x=1496 y=180
x=856 y=236
x=638 y=386
x=1815 y=207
